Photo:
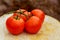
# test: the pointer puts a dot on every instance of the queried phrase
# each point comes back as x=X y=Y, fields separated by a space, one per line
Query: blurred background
x=50 y=7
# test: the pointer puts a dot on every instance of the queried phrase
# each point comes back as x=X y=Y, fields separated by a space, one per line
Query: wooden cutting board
x=50 y=30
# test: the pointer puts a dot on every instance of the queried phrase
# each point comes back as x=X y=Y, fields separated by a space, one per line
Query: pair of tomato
x=22 y=19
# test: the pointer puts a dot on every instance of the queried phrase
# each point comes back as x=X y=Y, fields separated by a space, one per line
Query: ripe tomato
x=15 y=25
x=22 y=19
x=19 y=12
x=23 y=14
x=33 y=25
x=39 y=13
x=27 y=14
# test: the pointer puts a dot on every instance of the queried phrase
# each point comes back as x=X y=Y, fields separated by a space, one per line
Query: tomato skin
x=39 y=13
x=15 y=26
x=29 y=14
x=23 y=17
x=33 y=25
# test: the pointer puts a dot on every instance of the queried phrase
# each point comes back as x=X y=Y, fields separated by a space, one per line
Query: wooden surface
x=50 y=30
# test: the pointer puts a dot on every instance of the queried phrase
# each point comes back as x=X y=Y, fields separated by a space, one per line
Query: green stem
x=16 y=17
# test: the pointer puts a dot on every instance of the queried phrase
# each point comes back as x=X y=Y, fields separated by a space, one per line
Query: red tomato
x=23 y=17
x=38 y=13
x=15 y=25
x=33 y=25
x=23 y=14
x=20 y=11
x=27 y=14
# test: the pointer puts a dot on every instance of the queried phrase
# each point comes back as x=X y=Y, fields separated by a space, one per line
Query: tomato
x=27 y=14
x=23 y=17
x=19 y=12
x=33 y=25
x=15 y=25
x=23 y=14
x=39 y=13
x=24 y=20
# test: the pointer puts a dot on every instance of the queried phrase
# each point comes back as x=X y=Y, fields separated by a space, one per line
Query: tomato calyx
x=17 y=17
x=20 y=12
